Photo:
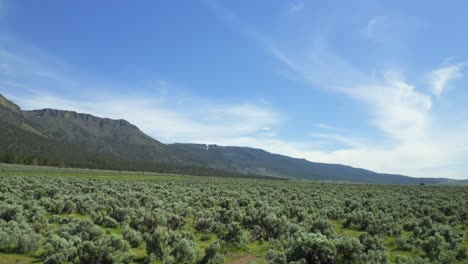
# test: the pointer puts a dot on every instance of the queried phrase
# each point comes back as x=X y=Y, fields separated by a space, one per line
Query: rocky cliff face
x=100 y=136
x=82 y=119
x=71 y=126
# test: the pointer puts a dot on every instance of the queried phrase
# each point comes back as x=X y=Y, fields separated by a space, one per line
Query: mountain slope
x=257 y=161
x=116 y=138
x=58 y=137
x=66 y=138
x=102 y=136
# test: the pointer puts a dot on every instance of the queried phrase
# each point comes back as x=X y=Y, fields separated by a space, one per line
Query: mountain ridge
x=9 y=104
x=79 y=139
x=301 y=168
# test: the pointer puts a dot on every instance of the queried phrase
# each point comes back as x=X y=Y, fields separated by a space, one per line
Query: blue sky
x=372 y=84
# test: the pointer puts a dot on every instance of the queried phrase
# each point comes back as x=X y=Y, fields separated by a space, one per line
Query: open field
x=56 y=215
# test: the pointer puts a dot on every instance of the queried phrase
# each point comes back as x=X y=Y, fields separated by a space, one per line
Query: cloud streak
x=163 y=114
x=295 y=7
x=439 y=79
x=401 y=113
x=199 y=121
x=398 y=110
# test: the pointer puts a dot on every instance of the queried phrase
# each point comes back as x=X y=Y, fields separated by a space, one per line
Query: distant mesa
x=60 y=137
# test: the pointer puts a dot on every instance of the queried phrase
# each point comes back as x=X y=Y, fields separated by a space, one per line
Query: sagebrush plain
x=56 y=215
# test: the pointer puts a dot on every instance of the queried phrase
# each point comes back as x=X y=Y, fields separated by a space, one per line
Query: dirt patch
x=240 y=258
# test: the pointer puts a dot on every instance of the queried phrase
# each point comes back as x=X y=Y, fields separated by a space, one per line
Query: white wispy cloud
x=295 y=7
x=369 y=29
x=337 y=137
x=399 y=112
x=390 y=30
x=439 y=78
x=403 y=116
x=200 y=121
x=411 y=140
x=329 y=127
x=38 y=81
x=397 y=108
x=26 y=71
x=237 y=24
